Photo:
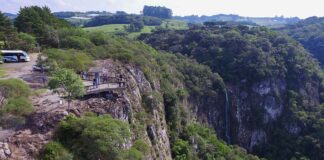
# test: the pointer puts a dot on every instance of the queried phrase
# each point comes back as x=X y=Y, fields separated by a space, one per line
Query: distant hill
x=82 y=18
x=10 y=15
x=119 y=29
x=263 y=21
x=89 y=14
x=310 y=33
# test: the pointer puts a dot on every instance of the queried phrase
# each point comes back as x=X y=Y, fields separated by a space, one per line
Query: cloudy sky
x=256 y=8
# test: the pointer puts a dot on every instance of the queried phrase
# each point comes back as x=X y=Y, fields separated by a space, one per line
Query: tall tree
x=41 y=23
x=68 y=82
x=160 y=12
x=6 y=30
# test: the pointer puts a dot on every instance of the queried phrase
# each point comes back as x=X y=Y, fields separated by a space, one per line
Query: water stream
x=227 y=119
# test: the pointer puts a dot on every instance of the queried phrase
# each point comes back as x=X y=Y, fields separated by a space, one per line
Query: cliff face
x=147 y=125
x=255 y=111
x=273 y=93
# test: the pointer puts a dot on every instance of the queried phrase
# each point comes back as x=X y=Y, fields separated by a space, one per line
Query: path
x=47 y=101
x=17 y=70
x=6 y=133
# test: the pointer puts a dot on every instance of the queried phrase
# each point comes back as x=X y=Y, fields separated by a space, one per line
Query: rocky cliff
x=25 y=143
x=273 y=90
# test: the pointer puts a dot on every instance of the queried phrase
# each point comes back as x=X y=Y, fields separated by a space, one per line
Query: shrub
x=14 y=88
x=25 y=41
x=124 y=57
x=71 y=59
x=98 y=38
x=151 y=100
x=76 y=43
x=55 y=151
x=19 y=106
x=141 y=146
x=181 y=150
x=93 y=137
x=133 y=154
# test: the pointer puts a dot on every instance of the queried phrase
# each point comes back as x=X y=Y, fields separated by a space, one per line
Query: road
x=17 y=70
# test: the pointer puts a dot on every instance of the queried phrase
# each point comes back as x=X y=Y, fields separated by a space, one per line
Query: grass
x=3 y=73
x=111 y=28
x=146 y=29
x=115 y=28
x=39 y=92
x=174 y=24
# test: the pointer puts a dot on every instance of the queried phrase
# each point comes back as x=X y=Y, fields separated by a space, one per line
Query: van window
x=8 y=54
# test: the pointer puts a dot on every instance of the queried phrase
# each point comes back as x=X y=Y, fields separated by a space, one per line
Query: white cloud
x=301 y=8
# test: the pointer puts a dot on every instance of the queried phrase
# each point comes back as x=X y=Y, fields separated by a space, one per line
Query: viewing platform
x=95 y=83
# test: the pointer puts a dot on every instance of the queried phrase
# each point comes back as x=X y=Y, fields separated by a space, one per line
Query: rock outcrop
x=126 y=105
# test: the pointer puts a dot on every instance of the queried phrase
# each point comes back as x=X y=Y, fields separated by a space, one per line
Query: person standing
x=94 y=83
x=120 y=80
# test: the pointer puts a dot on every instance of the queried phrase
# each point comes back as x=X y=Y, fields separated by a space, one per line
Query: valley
x=112 y=86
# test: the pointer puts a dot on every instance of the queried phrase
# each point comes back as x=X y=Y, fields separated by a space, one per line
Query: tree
x=76 y=60
x=41 y=23
x=4 y=22
x=94 y=137
x=55 y=151
x=69 y=83
x=135 y=26
x=160 y=12
x=7 y=32
x=25 y=42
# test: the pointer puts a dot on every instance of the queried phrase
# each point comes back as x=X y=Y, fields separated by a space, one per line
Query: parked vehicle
x=39 y=68
x=14 y=56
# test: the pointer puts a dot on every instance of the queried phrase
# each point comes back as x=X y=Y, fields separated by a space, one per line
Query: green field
x=116 y=28
x=174 y=24
x=111 y=28
x=2 y=73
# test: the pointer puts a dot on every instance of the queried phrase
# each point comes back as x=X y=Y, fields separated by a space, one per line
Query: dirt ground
x=45 y=102
x=17 y=70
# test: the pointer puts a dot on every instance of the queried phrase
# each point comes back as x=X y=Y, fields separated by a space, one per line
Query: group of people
x=105 y=79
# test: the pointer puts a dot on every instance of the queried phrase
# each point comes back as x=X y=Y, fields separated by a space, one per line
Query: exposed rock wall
x=255 y=109
x=146 y=124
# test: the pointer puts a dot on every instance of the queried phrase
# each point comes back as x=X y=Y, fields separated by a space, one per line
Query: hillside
x=149 y=87
x=120 y=28
x=151 y=117
x=274 y=87
x=10 y=15
x=262 y=21
x=309 y=33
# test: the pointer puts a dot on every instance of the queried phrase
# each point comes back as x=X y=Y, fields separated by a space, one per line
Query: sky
x=251 y=8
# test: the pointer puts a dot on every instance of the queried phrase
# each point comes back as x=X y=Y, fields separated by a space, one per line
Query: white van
x=14 y=56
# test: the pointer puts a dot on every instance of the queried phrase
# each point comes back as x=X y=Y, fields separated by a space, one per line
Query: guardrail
x=104 y=87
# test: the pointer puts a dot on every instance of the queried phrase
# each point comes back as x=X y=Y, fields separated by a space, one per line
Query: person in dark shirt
x=95 y=83
x=120 y=80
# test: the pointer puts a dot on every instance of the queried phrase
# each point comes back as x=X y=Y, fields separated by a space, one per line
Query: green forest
x=73 y=48
x=253 y=54
x=196 y=66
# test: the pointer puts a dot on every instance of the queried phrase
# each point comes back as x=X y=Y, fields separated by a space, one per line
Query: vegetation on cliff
x=11 y=39
x=250 y=55
x=203 y=59
x=309 y=33
x=14 y=103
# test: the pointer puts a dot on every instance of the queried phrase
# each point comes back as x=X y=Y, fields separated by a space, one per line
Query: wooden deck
x=105 y=87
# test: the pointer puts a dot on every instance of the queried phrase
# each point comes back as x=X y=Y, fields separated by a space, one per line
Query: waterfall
x=227 y=120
